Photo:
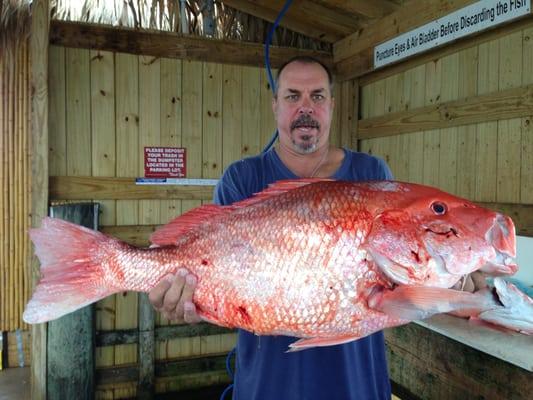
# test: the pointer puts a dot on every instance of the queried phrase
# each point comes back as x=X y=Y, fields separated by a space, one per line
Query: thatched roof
x=210 y=18
x=14 y=23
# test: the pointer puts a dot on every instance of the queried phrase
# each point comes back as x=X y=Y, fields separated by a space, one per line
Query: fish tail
x=71 y=275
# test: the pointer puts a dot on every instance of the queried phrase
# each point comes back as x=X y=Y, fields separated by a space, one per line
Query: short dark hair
x=304 y=60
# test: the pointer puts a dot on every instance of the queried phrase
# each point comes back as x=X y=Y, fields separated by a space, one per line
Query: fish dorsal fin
x=277 y=188
x=170 y=233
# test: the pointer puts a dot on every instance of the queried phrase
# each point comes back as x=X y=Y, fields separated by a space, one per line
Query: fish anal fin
x=303 y=344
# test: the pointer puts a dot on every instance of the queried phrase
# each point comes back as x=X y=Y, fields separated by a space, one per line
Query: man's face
x=303 y=107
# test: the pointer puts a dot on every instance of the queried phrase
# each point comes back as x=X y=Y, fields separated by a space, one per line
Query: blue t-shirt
x=264 y=370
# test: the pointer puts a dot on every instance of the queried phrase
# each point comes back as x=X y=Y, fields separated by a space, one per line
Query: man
x=303 y=108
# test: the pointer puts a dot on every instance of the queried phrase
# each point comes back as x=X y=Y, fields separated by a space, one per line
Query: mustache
x=305 y=120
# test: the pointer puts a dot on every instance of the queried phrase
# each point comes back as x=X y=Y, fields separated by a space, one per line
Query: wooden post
x=39 y=171
x=145 y=389
x=70 y=347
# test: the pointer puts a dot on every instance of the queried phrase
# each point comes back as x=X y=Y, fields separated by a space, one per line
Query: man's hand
x=173 y=297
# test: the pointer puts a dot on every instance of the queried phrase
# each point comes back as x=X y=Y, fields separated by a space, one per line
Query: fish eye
x=438 y=208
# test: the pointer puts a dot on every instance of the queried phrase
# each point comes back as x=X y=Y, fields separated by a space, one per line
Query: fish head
x=436 y=238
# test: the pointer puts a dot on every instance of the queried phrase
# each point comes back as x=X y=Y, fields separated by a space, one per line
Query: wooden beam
x=506 y=104
x=311 y=19
x=427 y=365
x=130 y=336
x=412 y=15
x=146 y=347
x=101 y=188
x=40 y=22
x=365 y=8
x=184 y=366
x=346 y=69
x=171 y=45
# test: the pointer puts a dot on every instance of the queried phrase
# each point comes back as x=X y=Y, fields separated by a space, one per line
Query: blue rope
x=267 y=64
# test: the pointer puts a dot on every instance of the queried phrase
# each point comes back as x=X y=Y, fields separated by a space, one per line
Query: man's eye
x=292 y=97
x=318 y=97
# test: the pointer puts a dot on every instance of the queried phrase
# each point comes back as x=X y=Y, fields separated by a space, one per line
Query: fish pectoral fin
x=419 y=302
x=303 y=344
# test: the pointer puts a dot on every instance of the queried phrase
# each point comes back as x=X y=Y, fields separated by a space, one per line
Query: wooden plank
x=78 y=113
x=455 y=47
x=348 y=114
x=172 y=45
x=428 y=365
x=466 y=145
x=175 y=368
x=251 y=119
x=103 y=134
x=414 y=96
x=509 y=131
x=368 y=9
x=448 y=136
x=146 y=385
x=231 y=117
x=505 y=104
x=432 y=137
x=306 y=17
x=487 y=132
x=171 y=132
x=57 y=117
x=40 y=22
x=212 y=118
x=103 y=188
x=526 y=177
x=267 y=121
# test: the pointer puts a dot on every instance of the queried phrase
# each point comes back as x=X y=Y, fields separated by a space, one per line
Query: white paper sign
x=473 y=18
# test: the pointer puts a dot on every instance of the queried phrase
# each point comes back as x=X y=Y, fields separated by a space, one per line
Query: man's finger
x=157 y=294
x=173 y=295
x=186 y=294
x=190 y=316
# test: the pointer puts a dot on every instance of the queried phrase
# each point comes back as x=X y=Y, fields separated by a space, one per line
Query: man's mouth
x=305 y=122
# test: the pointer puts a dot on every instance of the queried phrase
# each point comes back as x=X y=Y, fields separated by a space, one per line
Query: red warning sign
x=164 y=162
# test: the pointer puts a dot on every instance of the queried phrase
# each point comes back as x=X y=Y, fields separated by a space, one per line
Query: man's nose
x=305 y=107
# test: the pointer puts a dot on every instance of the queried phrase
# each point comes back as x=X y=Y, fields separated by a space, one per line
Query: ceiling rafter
x=303 y=16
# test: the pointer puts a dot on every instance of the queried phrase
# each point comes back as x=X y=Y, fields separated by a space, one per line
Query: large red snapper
x=327 y=261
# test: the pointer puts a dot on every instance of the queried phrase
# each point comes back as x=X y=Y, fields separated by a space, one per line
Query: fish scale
x=318 y=259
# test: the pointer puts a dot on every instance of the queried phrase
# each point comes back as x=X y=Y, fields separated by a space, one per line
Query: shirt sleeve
x=385 y=170
x=229 y=188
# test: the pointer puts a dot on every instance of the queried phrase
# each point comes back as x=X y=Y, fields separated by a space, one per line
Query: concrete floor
x=15 y=384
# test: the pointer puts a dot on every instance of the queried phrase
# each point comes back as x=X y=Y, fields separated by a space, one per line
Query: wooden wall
x=104 y=108
x=452 y=122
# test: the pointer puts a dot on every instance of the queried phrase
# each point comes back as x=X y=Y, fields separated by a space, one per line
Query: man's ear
x=275 y=105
